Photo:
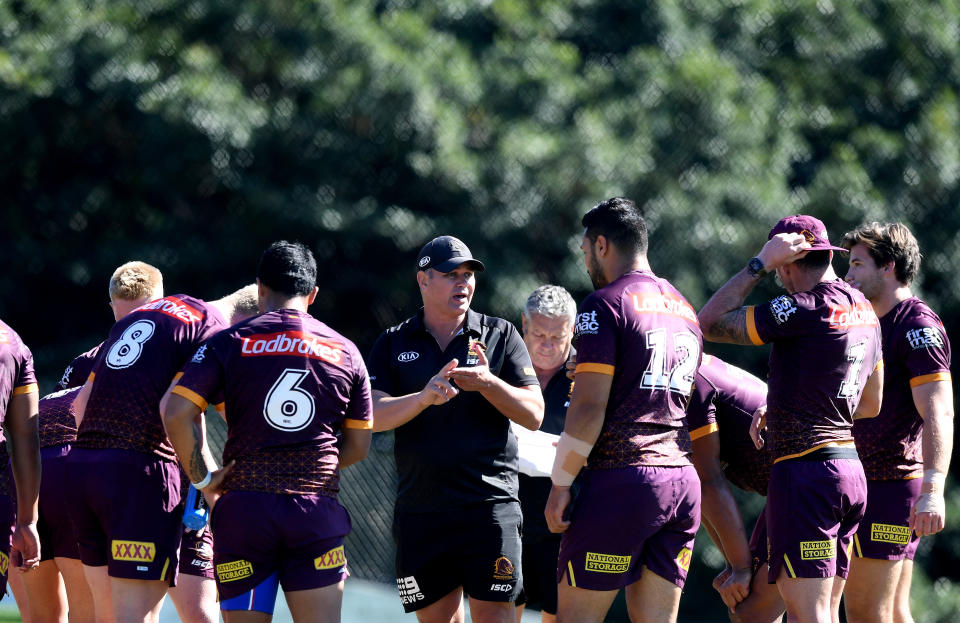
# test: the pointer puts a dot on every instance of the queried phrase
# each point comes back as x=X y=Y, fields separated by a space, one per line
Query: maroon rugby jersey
x=16 y=377
x=640 y=330
x=79 y=369
x=134 y=368
x=724 y=399
x=57 y=421
x=916 y=350
x=826 y=344
x=290 y=383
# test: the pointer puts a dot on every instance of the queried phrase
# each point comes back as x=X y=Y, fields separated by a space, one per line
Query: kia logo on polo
x=407 y=356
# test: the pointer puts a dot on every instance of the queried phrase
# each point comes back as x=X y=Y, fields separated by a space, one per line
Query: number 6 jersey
x=134 y=368
x=641 y=331
x=290 y=383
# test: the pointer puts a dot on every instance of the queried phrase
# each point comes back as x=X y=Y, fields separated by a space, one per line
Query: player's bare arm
x=934 y=402
x=390 y=412
x=523 y=405
x=720 y=510
x=21 y=428
x=872 y=397
x=588 y=405
x=80 y=402
x=724 y=318
x=354 y=445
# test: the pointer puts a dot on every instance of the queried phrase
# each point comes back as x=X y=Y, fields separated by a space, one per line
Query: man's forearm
x=390 y=412
x=25 y=462
x=720 y=509
x=520 y=404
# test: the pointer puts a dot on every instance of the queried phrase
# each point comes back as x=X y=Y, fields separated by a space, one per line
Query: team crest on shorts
x=818 y=550
x=503 y=569
x=134 y=551
x=203 y=551
x=235 y=570
x=331 y=560
x=607 y=563
x=684 y=557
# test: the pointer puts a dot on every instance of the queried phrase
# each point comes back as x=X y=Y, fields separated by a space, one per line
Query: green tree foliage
x=190 y=133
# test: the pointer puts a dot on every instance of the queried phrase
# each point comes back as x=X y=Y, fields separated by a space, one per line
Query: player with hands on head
x=906 y=449
x=825 y=371
x=448 y=382
x=638 y=349
x=290 y=385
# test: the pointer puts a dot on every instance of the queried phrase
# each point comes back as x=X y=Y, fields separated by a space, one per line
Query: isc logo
x=407 y=356
x=501 y=588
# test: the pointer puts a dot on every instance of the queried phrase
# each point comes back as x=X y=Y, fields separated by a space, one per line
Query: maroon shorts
x=196 y=553
x=813 y=509
x=625 y=519
x=125 y=506
x=259 y=534
x=884 y=532
x=758 y=542
x=57 y=536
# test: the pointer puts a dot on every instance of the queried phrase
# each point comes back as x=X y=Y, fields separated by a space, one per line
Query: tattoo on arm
x=198 y=467
x=732 y=327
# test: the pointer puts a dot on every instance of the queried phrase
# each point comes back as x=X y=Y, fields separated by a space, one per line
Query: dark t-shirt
x=290 y=384
x=916 y=350
x=460 y=453
x=57 y=423
x=79 y=369
x=134 y=368
x=534 y=490
x=640 y=330
x=16 y=377
x=826 y=344
x=724 y=399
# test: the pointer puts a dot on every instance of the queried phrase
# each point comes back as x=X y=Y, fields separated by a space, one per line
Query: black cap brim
x=455 y=262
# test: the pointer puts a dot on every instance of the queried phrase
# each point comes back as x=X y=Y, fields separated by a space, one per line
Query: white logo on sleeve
x=782 y=307
x=66 y=375
x=409 y=590
x=408 y=356
x=200 y=354
x=925 y=337
x=587 y=323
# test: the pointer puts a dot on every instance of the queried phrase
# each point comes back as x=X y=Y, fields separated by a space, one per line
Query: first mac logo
x=407 y=356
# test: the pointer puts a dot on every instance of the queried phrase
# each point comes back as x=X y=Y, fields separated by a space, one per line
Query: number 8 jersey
x=643 y=332
x=290 y=383
x=133 y=369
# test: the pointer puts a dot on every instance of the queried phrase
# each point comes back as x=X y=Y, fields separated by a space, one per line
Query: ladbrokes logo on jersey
x=660 y=303
x=852 y=316
x=331 y=560
x=291 y=343
x=133 y=551
x=175 y=308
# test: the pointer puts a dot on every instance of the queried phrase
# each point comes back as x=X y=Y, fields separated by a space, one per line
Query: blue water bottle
x=196 y=513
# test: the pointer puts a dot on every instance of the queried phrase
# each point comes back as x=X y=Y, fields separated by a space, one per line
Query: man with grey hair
x=547 y=321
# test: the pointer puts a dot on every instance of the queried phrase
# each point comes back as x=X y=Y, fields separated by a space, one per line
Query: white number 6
x=288 y=406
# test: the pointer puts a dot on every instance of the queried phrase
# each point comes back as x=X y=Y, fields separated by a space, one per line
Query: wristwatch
x=755 y=268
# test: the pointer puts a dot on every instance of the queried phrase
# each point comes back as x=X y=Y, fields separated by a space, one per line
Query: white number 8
x=125 y=351
x=288 y=406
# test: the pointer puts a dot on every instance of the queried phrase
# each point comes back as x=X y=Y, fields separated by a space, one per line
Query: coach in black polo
x=447 y=380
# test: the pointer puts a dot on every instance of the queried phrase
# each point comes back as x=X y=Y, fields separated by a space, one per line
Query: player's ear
x=313 y=295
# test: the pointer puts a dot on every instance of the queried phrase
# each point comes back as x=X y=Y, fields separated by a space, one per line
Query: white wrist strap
x=203 y=484
x=572 y=455
x=935 y=479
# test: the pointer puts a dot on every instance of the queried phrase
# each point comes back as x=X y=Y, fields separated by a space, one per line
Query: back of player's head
x=134 y=281
x=814 y=261
x=288 y=268
x=619 y=221
x=551 y=301
x=888 y=242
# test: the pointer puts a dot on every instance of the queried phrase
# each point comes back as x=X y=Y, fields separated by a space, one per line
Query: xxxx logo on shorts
x=134 y=551
x=607 y=563
x=235 y=570
x=683 y=558
x=331 y=560
x=4 y=563
x=889 y=533
x=818 y=550
x=503 y=569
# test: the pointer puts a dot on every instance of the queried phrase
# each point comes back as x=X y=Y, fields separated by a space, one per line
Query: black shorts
x=540 y=573
x=478 y=549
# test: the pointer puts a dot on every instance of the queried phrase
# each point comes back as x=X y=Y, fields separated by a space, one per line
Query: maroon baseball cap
x=812 y=229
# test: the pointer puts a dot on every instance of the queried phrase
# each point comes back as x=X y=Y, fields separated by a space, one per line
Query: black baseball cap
x=445 y=253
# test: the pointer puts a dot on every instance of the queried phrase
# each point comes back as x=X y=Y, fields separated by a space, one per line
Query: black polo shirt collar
x=471 y=325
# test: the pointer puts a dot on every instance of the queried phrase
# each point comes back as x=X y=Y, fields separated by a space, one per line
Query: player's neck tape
x=571 y=456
